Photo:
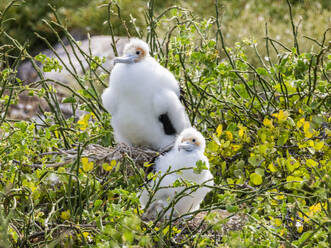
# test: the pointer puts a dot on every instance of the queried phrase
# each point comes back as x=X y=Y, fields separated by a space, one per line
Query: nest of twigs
x=138 y=156
x=199 y=224
x=99 y=155
x=212 y=224
x=121 y=153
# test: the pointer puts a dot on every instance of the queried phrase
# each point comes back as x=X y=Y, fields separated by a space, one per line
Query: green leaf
x=328 y=66
x=311 y=163
x=232 y=209
x=290 y=122
x=40 y=57
x=304 y=236
x=255 y=160
x=259 y=171
x=69 y=100
x=230 y=181
x=262 y=71
x=232 y=127
x=238 y=173
x=177 y=183
x=200 y=166
x=223 y=165
x=282 y=139
x=256 y=179
x=97 y=203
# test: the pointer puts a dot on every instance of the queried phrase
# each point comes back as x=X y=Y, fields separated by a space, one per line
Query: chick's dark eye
x=193 y=140
x=137 y=52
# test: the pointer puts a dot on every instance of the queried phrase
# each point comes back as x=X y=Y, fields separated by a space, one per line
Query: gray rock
x=74 y=62
x=97 y=46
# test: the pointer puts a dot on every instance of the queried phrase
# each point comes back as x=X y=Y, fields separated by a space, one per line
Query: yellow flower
x=108 y=167
x=87 y=166
x=279 y=197
x=85 y=234
x=315 y=208
x=65 y=215
x=56 y=134
x=306 y=126
x=272 y=168
x=305 y=219
x=219 y=130
x=278 y=222
x=307 y=130
x=268 y=123
x=165 y=230
x=281 y=116
x=300 y=122
x=236 y=147
x=83 y=121
x=311 y=143
x=242 y=130
x=300 y=228
x=319 y=145
x=229 y=135
x=175 y=230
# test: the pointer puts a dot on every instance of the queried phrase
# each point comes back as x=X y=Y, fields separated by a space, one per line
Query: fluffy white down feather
x=138 y=93
x=179 y=159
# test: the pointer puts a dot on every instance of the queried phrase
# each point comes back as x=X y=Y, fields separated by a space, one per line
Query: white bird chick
x=134 y=52
x=143 y=99
x=188 y=156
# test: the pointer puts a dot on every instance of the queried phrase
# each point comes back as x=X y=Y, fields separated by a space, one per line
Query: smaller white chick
x=187 y=153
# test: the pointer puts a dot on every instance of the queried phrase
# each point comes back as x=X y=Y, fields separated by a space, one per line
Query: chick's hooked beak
x=187 y=146
x=127 y=59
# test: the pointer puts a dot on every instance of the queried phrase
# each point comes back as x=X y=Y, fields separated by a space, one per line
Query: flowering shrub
x=268 y=134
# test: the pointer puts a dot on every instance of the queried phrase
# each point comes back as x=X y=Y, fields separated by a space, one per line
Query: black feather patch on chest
x=167 y=125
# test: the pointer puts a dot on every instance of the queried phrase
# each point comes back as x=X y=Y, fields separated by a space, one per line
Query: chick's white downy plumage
x=143 y=99
x=187 y=154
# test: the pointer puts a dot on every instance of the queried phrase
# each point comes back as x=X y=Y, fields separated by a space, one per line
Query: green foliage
x=49 y=64
x=267 y=127
x=91 y=16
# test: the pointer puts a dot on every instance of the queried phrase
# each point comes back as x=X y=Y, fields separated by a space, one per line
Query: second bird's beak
x=128 y=59
x=187 y=146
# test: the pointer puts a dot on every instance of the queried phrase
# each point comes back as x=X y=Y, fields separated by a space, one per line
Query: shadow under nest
x=138 y=157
